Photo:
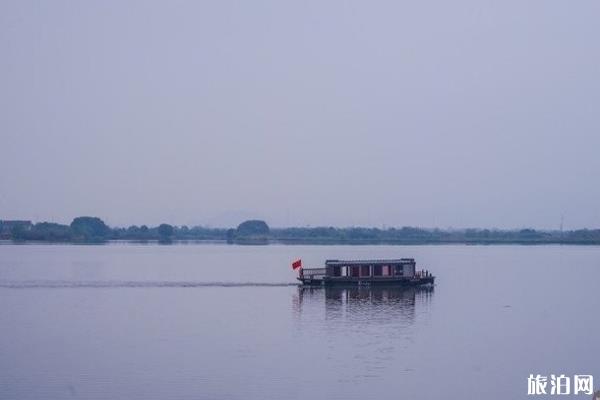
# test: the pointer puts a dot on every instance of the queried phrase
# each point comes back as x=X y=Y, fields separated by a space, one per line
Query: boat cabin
x=402 y=270
x=371 y=268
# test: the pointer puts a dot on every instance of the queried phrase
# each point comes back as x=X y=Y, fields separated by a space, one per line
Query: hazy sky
x=431 y=113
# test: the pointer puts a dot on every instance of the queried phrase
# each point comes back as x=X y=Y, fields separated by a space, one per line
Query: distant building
x=6 y=227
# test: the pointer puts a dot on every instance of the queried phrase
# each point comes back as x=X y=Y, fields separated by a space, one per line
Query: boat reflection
x=367 y=304
x=364 y=332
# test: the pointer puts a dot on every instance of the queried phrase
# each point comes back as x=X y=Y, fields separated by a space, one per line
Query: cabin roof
x=369 y=262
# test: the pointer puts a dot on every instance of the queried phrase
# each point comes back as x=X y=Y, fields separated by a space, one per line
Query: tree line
x=93 y=229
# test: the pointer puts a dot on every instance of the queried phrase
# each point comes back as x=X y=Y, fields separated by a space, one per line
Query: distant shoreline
x=256 y=232
x=155 y=242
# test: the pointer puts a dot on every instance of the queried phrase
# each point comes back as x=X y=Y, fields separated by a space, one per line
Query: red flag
x=297 y=264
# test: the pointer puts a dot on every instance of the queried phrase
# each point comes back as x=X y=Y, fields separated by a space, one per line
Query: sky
x=465 y=113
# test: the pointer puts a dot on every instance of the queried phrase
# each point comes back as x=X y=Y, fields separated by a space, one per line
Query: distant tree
x=89 y=228
x=471 y=233
x=256 y=228
x=230 y=235
x=50 y=231
x=18 y=232
x=528 y=234
x=165 y=231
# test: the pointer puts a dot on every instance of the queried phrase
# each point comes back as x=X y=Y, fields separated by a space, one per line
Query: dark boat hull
x=429 y=280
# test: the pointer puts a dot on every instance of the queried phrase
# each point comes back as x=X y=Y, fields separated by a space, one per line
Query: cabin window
x=377 y=270
x=385 y=270
x=364 y=270
x=355 y=271
x=398 y=270
x=337 y=271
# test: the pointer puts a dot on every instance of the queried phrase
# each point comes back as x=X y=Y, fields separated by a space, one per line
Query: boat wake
x=133 y=284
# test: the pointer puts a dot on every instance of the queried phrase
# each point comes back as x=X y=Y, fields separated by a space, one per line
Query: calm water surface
x=223 y=322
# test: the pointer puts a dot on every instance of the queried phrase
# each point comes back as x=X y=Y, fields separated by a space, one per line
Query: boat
x=400 y=271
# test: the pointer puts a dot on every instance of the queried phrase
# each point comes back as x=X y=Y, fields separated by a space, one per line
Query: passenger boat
x=400 y=271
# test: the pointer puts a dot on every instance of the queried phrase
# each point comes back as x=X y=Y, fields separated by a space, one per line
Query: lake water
x=127 y=321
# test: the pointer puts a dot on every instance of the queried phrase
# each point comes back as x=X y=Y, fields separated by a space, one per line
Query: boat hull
x=347 y=281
